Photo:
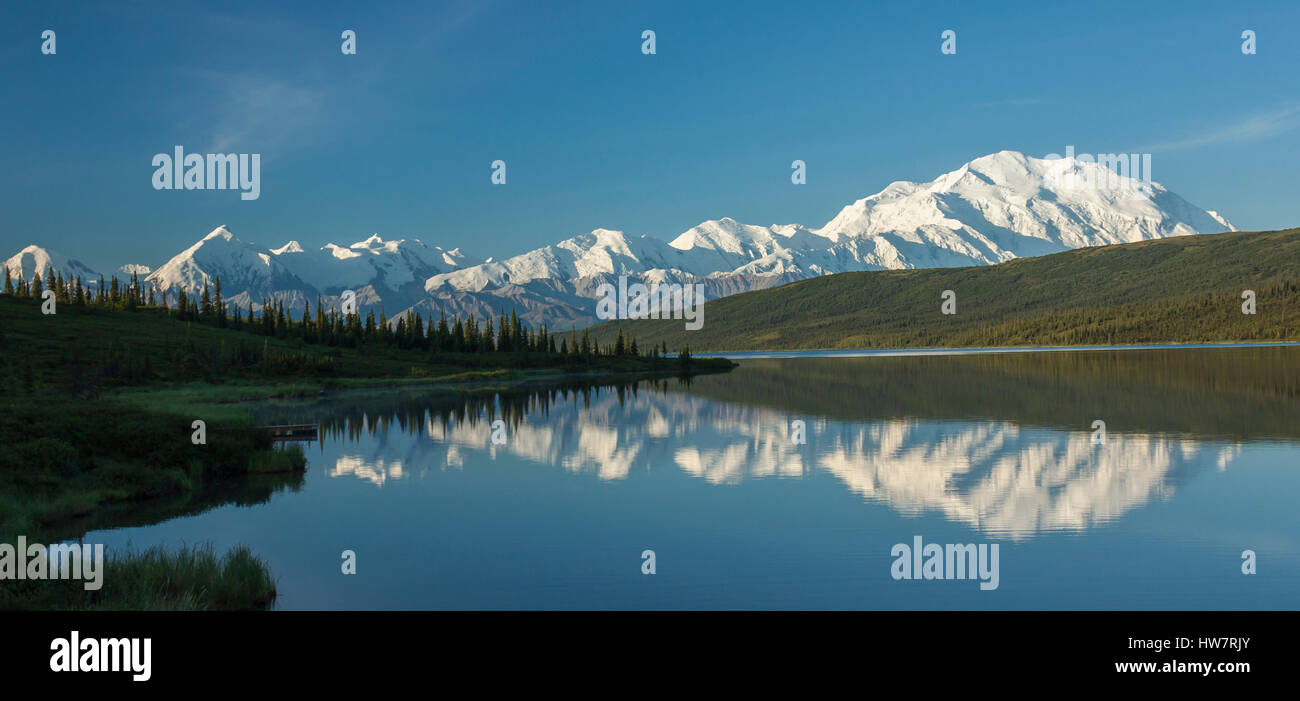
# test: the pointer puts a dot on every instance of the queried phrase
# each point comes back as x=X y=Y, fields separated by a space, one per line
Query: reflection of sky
x=993 y=476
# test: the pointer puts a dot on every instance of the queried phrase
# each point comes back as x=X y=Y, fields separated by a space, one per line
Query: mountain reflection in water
x=1000 y=443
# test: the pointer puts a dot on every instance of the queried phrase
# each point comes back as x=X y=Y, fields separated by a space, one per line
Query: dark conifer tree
x=220 y=306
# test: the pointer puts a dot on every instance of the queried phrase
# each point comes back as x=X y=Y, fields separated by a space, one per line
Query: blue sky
x=398 y=139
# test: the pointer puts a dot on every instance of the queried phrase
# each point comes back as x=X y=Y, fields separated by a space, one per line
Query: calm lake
x=1200 y=461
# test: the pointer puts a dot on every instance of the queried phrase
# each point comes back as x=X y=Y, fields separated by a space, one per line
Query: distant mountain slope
x=380 y=272
x=996 y=208
x=33 y=260
x=1185 y=289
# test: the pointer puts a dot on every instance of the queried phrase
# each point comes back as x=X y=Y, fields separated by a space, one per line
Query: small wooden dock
x=294 y=432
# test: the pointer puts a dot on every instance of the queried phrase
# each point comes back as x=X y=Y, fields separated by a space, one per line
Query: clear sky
x=398 y=139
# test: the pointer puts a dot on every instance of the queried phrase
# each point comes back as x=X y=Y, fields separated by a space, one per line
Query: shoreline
x=201 y=395
x=980 y=350
x=135 y=489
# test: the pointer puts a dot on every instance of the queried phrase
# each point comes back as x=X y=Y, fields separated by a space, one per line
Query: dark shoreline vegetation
x=1185 y=289
x=99 y=400
x=1226 y=394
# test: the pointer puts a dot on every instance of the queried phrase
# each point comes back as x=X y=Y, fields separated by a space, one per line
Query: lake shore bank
x=121 y=414
x=976 y=350
x=129 y=458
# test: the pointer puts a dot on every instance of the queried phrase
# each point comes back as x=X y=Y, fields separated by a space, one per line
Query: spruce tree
x=205 y=302
x=220 y=306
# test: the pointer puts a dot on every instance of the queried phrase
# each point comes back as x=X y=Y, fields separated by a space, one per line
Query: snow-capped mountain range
x=1002 y=206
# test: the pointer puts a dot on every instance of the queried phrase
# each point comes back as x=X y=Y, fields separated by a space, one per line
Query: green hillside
x=1176 y=290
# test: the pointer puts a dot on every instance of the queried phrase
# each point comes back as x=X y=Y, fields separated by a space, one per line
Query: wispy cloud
x=249 y=110
x=1253 y=128
x=255 y=112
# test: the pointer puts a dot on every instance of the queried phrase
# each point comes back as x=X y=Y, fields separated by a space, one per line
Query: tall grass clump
x=285 y=459
x=188 y=578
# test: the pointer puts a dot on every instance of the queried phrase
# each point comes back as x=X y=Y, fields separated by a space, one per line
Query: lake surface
x=1200 y=461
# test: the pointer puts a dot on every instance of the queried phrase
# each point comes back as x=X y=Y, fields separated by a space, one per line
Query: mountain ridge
x=993 y=209
x=1185 y=289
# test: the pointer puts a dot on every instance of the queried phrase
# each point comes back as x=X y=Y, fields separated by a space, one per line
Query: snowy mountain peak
x=375 y=241
x=33 y=259
x=1000 y=162
x=219 y=232
x=995 y=208
x=1006 y=204
x=992 y=209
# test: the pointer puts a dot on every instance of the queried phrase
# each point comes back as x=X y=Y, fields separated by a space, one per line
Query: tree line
x=330 y=326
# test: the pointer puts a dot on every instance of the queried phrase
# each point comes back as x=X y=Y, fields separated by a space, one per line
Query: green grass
x=73 y=465
x=189 y=578
x=1177 y=290
x=96 y=407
